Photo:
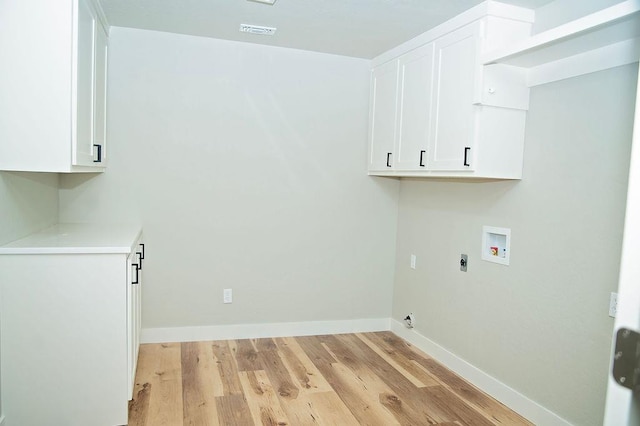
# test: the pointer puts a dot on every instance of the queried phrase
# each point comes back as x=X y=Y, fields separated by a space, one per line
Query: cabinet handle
x=137 y=279
x=388 y=159
x=466 y=154
x=99 y=160
x=422 y=158
x=140 y=257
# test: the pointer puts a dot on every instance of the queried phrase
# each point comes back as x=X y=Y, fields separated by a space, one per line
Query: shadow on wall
x=72 y=181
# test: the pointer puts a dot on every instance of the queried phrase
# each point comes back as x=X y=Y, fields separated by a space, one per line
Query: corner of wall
x=28 y=203
x=519 y=403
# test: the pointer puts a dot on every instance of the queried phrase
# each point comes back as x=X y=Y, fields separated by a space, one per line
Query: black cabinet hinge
x=626 y=359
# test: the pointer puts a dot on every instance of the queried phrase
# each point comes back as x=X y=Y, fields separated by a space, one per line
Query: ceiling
x=358 y=28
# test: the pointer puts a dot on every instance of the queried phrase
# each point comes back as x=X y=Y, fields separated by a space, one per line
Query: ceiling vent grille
x=256 y=29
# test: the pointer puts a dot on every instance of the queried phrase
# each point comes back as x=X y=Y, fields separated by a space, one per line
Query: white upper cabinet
x=462 y=88
x=445 y=118
x=414 y=102
x=84 y=78
x=384 y=89
x=99 y=142
x=53 y=96
x=400 y=111
x=452 y=134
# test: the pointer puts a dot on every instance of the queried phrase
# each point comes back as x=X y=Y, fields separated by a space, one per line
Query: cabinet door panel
x=85 y=71
x=453 y=129
x=416 y=78
x=134 y=309
x=384 y=90
x=131 y=303
x=100 y=90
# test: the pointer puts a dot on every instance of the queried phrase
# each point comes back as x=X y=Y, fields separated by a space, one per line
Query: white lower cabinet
x=70 y=325
x=135 y=262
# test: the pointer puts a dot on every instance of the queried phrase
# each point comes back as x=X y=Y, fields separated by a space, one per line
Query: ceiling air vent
x=256 y=29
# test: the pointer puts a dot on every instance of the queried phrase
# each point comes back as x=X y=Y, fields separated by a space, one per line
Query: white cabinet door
x=414 y=116
x=82 y=151
x=132 y=271
x=382 y=119
x=137 y=305
x=452 y=133
x=91 y=89
x=100 y=98
x=134 y=283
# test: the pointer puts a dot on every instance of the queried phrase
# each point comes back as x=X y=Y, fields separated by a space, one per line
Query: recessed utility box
x=496 y=244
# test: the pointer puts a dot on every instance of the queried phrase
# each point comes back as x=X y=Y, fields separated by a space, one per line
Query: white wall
x=540 y=325
x=28 y=203
x=246 y=166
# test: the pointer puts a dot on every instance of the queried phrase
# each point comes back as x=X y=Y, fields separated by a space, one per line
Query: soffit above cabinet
x=357 y=28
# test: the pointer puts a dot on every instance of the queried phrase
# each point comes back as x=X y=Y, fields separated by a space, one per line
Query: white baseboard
x=519 y=403
x=252 y=331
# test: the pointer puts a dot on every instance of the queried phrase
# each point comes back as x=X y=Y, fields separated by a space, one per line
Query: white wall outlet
x=227 y=295
x=413 y=261
x=613 y=305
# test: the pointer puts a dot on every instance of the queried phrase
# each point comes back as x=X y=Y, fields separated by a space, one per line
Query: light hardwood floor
x=349 y=379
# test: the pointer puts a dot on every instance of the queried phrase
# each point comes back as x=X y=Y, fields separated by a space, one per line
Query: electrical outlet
x=613 y=305
x=227 y=295
x=413 y=261
x=410 y=320
x=464 y=261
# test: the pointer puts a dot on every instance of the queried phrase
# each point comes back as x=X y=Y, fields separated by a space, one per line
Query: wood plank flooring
x=348 y=379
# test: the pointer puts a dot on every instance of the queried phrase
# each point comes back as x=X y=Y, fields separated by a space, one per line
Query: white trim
x=487 y=8
x=251 y=331
x=613 y=55
x=621 y=408
x=102 y=18
x=519 y=403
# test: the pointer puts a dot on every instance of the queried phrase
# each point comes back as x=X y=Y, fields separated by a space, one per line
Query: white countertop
x=76 y=238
